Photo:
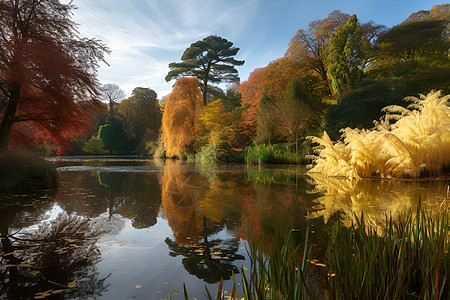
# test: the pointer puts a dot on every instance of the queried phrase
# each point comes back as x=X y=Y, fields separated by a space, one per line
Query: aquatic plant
x=406 y=143
x=409 y=260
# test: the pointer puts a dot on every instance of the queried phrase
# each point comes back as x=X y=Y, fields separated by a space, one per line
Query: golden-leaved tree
x=180 y=121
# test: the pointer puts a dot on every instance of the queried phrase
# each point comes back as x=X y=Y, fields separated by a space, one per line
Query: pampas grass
x=406 y=143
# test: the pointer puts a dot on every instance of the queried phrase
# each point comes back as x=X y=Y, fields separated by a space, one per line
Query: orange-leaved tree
x=251 y=94
x=180 y=121
x=47 y=73
x=277 y=76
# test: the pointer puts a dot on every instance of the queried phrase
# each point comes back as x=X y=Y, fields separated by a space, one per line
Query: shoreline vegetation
x=22 y=170
x=407 y=258
x=410 y=142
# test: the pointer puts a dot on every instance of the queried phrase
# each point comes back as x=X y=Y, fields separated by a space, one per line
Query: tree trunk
x=8 y=118
x=205 y=91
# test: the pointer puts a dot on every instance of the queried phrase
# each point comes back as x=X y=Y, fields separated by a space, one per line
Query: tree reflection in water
x=181 y=195
x=57 y=258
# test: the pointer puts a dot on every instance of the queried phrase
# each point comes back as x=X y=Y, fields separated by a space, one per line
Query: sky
x=144 y=36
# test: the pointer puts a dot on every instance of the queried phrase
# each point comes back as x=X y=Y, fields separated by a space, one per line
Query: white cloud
x=145 y=36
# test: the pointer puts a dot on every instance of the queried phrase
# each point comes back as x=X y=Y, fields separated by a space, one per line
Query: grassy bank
x=21 y=170
x=276 y=154
x=408 y=259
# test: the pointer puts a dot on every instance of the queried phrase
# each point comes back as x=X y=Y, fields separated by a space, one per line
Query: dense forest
x=338 y=72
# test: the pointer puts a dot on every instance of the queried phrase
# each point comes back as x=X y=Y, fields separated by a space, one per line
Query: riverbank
x=21 y=170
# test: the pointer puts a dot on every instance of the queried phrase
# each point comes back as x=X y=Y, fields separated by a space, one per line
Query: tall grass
x=21 y=170
x=275 y=154
x=406 y=143
x=409 y=260
x=281 y=275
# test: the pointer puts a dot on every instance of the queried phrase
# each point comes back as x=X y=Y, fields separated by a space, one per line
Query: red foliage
x=47 y=74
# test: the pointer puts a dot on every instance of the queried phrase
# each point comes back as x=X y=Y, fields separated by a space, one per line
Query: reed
x=408 y=261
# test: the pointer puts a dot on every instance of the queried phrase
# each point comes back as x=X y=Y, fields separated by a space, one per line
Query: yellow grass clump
x=406 y=143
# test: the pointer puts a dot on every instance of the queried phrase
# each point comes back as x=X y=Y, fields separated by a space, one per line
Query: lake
x=119 y=228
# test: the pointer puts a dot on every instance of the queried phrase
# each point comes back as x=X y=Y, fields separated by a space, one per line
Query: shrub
x=21 y=170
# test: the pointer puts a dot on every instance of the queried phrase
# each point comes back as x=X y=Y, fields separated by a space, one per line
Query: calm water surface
x=132 y=229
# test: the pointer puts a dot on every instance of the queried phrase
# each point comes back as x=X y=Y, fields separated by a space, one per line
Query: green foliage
x=289 y=118
x=22 y=170
x=283 y=153
x=94 y=146
x=266 y=123
x=113 y=136
x=207 y=154
x=209 y=60
x=282 y=275
x=415 y=39
x=344 y=50
x=141 y=115
x=408 y=260
x=358 y=108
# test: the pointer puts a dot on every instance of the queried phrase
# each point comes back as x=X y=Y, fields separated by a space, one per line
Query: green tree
x=95 y=146
x=291 y=117
x=209 y=60
x=142 y=117
x=418 y=37
x=266 y=122
x=113 y=136
x=350 y=50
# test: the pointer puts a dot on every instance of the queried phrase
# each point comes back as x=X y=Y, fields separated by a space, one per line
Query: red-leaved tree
x=47 y=74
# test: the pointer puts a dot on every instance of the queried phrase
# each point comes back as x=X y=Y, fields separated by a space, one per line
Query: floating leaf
x=7 y=254
x=320 y=265
x=57 y=291
x=72 y=284
x=138 y=286
x=84 y=279
x=10 y=266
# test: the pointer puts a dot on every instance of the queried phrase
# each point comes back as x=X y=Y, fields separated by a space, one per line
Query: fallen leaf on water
x=84 y=279
x=10 y=266
x=57 y=291
x=25 y=265
x=245 y=268
x=138 y=286
x=320 y=265
x=72 y=284
x=7 y=254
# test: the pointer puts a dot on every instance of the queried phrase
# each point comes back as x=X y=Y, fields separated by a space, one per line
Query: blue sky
x=146 y=35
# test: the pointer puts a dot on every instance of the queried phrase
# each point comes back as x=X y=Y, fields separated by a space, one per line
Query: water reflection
x=376 y=198
x=199 y=218
x=56 y=258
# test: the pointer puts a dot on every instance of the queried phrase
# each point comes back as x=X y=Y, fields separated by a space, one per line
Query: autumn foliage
x=47 y=74
x=180 y=121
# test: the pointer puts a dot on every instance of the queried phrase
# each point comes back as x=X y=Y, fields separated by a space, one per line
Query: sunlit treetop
x=209 y=60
